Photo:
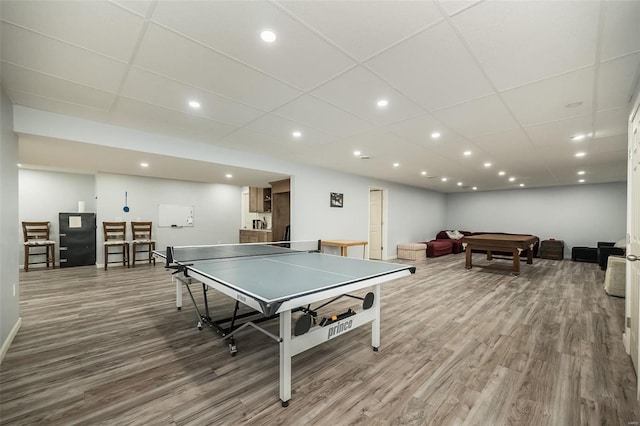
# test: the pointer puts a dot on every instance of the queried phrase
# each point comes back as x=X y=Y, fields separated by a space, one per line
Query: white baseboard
x=5 y=345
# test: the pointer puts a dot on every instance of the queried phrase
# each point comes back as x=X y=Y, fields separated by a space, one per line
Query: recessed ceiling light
x=19 y=165
x=581 y=180
x=475 y=188
x=144 y=164
x=194 y=104
x=356 y=153
x=467 y=153
x=383 y=103
x=435 y=135
x=268 y=36
x=396 y=164
x=580 y=154
x=511 y=179
x=296 y=134
x=459 y=183
x=228 y=175
x=487 y=164
x=581 y=172
x=522 y=184
x=444 y=179
x=578 y=137
x=423 y=173
x=501 y=173
x=573 y=104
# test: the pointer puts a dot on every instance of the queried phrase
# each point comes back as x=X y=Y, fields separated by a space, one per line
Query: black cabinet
x=77 y=239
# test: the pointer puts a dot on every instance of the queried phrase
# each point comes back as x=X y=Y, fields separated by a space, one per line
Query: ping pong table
x=277 y=280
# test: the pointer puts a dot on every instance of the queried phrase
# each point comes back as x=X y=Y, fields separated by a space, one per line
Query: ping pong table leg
x=375 y=324
x=178 y=293
x=285 y=357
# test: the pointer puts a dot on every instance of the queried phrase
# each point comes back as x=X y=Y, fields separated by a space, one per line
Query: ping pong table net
x=186 y=254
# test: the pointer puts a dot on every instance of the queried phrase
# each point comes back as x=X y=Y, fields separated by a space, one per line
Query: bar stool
x=141 y=233
x=115 y=235
x=36 y=235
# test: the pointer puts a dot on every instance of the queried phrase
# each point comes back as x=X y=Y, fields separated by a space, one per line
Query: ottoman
x=437 y=248
x=614 y=279
x=412 y=251
x=584 y=254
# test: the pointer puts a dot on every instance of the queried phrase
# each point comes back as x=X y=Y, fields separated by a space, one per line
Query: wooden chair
x=141 y=236
x=36 y=235
x=115 y=235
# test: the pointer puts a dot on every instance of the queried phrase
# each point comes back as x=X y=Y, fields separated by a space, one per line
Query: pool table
x=510 y=243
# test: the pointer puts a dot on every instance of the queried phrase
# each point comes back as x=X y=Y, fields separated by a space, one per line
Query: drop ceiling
x=510 y=82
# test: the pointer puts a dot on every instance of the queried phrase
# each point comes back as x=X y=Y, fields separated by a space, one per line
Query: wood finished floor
x=458 y=348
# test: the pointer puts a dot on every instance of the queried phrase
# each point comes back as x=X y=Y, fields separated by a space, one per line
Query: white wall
x=9 y=291
x=413 y=214
x=44 y=194
x=580 y=215
x=217 y=217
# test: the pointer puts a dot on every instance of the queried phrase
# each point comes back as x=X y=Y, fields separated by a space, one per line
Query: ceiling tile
x=477 y=117
x=616 y=81
x=615 y=144
x=358 y=92
x=30 y=50
x=27 y=81
x=283 y=129
x=492 y=77
x=298 y=56
x=521 y=42
x=418 y=129
x=141 y=7
x=433 y=68
x=613 y=122
x=561 y=131
x=453 y=7
x=60 y=107
x=496 y=142
x=82 y=24
x=320 y=115
x=157 y=90
x=384 y=23
x=546 y=100
x=174 y=56
x=150 y=118
x=621 y=33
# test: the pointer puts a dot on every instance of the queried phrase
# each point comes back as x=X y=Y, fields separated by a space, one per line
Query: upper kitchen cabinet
x=259 y=200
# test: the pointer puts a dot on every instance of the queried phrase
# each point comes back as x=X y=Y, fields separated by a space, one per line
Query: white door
x=633 y=225
x=375 y=224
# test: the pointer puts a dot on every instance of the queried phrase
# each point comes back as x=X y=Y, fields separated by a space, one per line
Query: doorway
x=377 y=233
x=632 y=304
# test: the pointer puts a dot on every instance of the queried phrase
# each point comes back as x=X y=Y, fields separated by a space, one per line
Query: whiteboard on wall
x=174 y=216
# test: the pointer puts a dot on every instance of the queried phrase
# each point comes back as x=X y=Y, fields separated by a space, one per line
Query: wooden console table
x=344 y=245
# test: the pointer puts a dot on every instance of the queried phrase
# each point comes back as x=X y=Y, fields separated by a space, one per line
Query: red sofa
x=457 y=244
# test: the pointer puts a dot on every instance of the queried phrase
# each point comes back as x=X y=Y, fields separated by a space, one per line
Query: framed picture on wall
x=336 y=199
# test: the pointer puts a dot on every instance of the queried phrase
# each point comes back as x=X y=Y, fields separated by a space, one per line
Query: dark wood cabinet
x=77 y=239
x=281 y=208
